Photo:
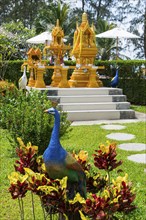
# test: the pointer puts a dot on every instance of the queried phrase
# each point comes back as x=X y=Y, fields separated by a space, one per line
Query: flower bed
x=105 y=198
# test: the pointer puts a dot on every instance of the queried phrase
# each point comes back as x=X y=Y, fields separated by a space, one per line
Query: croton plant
x=105 y=196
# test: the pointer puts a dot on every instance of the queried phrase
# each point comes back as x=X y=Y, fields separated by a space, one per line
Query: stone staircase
x=84 y=104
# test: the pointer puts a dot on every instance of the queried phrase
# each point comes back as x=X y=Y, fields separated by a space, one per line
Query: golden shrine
x=36 y=68
x=84 y=50
x=58 y=50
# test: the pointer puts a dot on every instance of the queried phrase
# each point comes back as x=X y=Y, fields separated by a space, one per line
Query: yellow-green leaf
x=82 y=216
x=47 y=189
x=63 y=182
x=78 y=198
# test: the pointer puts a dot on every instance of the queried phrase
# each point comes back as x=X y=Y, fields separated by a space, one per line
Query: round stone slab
x=113 y=127
x=132 y=146
x=138 y=158
x=120 y=136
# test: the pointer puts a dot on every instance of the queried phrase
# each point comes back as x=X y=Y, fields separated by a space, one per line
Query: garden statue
x=23 y=80
x=115 y=79
x=59 y=163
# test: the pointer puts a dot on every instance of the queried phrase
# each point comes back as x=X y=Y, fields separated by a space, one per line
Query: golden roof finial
x=84 y=17
x=57 y=23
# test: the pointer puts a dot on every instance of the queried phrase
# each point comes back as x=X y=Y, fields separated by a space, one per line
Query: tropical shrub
x=7 y=86
x=105 y=198
x=23 y=115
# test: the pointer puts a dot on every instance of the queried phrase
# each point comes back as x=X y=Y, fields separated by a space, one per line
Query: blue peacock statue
x=60 y=163
x=115 y=79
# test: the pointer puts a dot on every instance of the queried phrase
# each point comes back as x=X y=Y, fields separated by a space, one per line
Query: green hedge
x=131 y=79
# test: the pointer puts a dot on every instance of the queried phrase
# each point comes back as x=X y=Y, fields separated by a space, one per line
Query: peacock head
x=50 y=111
x=53 y=111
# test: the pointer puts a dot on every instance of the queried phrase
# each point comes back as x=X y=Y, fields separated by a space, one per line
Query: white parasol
x=117 y=33
x=43 y=38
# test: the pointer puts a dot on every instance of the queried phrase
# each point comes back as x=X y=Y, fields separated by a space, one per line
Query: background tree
x=13 y=45
x=17 y=10
x=48 y=16
x=106 y=46
x=43 y=14
x=132 y=14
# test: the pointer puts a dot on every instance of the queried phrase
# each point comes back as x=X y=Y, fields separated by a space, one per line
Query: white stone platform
x=85 y=104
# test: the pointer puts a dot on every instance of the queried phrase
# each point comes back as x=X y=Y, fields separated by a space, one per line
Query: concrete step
x=100 y=115
x=83 y=91
x=89 y=98
x=94 y=106
x=84 y=104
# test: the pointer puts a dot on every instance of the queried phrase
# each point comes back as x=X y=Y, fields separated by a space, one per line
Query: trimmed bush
x=23 y=116
x=131 y=78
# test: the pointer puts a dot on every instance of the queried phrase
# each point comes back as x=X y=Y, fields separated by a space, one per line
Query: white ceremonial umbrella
x=43 y=38
x=117 y=33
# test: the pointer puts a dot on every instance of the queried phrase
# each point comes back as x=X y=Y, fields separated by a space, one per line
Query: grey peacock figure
x=60 y=163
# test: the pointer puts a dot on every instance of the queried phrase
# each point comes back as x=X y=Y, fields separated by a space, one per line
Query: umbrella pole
x=117 y=48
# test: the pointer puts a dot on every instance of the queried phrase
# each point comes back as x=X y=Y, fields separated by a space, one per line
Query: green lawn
x=139 y=108
x=80 y=137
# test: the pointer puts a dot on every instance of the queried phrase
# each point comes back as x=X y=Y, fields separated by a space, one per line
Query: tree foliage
x=44 y=13
x=13 y=36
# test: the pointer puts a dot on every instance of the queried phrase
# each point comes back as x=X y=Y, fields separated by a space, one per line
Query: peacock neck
x=54 y=142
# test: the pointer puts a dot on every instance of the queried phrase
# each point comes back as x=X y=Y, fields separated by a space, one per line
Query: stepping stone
x=113 y=127
x=132 y=146
x=120 y=136
x=139 y=158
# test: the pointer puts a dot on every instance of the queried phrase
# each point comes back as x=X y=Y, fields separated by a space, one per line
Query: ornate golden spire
x=57 y=23
x=84 y=17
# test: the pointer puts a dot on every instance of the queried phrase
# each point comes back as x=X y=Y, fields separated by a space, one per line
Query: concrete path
x=138 y=158
x=120 y=136
x=113 y=127
x=132 y=146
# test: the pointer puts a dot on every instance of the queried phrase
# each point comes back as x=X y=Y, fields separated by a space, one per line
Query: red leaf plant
x=105 y=157
x=105 y=198
x=100 y=208
x=124 y=192
x=27 y=157
x=19 y=185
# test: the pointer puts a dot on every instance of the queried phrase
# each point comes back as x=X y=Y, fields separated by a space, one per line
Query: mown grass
x=80 y=137
x=139 y=108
